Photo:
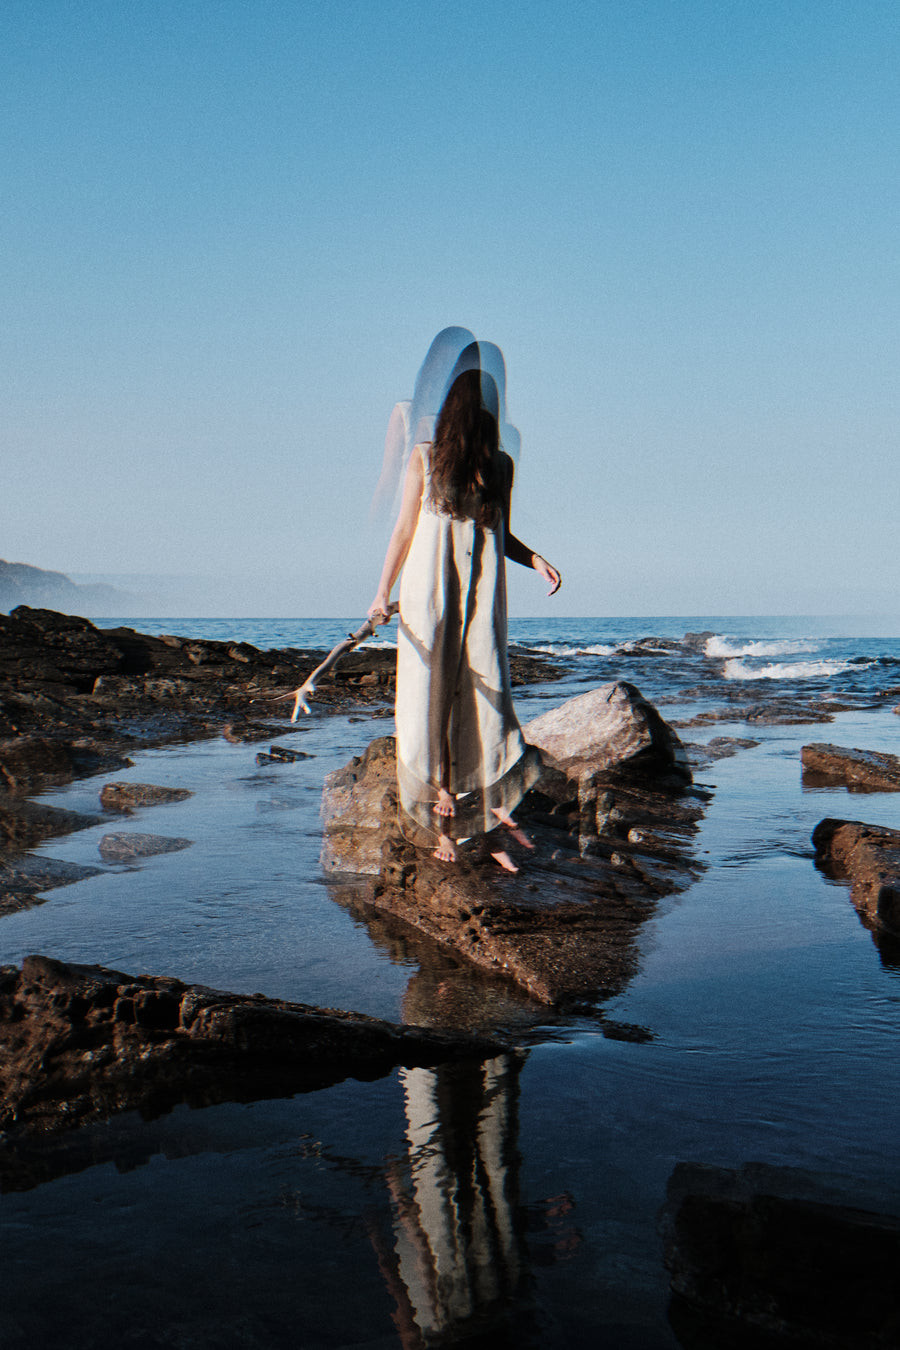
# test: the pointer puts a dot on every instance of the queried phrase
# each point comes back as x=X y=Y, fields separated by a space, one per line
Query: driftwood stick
x=352 y=640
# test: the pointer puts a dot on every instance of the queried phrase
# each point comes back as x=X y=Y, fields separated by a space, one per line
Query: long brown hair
x=467 y=474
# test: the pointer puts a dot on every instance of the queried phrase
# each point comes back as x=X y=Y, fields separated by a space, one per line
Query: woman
x=462 y=763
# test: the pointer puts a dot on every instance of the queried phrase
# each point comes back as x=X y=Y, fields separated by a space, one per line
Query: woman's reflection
x=459 y=1262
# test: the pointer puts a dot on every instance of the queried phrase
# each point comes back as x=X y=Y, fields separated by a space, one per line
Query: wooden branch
x=352 y=640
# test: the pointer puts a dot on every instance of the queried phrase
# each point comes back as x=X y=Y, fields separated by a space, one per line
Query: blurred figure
x=412 y=420
x=462 y=763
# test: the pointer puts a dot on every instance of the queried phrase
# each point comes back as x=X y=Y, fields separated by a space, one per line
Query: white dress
x=453 y=684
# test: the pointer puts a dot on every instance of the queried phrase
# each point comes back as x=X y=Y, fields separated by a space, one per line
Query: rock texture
x=122 y=847
x=868 y=856
x=126 y=796
x=80 y=1043
x=856 y=770
x=609 y=842
x=757 y=1261
x=610 y=725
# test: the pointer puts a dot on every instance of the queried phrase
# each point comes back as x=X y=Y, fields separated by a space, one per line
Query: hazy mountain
x=21 y=584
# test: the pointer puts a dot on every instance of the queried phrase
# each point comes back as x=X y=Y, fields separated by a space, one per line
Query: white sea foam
x=735 y=669
x=562 y=649
x=723 y=646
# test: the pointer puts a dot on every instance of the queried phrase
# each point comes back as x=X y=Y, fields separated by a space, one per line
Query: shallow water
x=426 y=1206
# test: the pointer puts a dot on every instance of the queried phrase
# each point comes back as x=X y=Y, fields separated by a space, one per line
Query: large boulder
x=613 y=725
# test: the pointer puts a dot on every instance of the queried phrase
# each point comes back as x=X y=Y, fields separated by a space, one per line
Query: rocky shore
x=81 y=1043
x=77 y=700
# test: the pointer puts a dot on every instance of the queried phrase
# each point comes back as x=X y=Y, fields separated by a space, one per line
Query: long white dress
x=453 y=685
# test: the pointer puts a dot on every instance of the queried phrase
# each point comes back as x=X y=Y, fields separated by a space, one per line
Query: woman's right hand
x=379 y=607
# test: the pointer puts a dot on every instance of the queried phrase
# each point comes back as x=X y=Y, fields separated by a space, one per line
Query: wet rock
x=763 y=1259
x=126 y=796
x=609 y=842
x=90 y=756
x=239 y=733
x=776 y=712
x=359 y=809
x=788 y=713
x=281 y=752
x=24 y=824
x=31 y=762
x=611 y=725
x=24 y=880
x=696 y=642
x=720 y=747
x=278 y=756
x=124 y=847
x=80 y=1043
x=856 y=770
x=868 y=856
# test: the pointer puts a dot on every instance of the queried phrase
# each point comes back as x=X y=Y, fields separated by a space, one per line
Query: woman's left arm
x=518 y=552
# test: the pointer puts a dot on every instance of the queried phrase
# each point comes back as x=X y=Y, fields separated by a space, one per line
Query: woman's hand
x=379 y=608
x=549 y=573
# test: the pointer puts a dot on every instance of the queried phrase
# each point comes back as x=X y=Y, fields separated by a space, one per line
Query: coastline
x=759 y=1026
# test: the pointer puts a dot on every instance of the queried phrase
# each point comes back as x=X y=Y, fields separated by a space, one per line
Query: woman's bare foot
x=505 y=862
x=445 y=804
x=445 y=852
x=506 y=819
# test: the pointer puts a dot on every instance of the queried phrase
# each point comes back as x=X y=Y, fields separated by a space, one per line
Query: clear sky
x=230 y=229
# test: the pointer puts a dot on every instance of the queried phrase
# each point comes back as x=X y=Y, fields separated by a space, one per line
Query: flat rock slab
x=868 y=856
x=758 y=1259
x=80 y=1043
x=856 y=770
x=124 y=847
x=23 y=881
x=126 y=796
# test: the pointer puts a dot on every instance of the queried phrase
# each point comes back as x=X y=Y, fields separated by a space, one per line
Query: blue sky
x=231 y=230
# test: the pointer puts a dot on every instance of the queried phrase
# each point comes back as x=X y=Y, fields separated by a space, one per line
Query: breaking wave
x=723 y=646
x=563 y=649
x=735 y=669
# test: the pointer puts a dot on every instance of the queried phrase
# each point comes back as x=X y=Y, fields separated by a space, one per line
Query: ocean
x=520 y=1201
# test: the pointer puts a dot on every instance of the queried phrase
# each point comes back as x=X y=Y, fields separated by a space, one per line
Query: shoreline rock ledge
x=868 y=857
x=81 y=1043
x=613 y=819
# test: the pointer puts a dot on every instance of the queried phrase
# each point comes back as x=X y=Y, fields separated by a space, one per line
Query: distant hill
x=24 y=585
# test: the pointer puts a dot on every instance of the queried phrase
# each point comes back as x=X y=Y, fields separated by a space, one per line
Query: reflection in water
x=458 y=1264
